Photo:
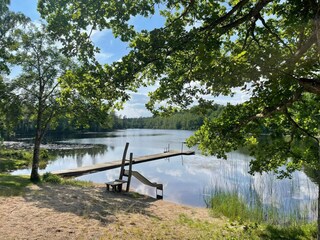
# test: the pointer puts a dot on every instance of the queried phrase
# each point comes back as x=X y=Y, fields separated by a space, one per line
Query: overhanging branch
x=310 y=85
x=299 y=127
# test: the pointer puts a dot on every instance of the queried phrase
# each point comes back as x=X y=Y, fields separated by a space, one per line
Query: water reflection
x=80 y=155
x=190 y=179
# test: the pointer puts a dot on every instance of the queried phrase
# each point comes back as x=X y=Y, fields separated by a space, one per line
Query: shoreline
x=19 y=145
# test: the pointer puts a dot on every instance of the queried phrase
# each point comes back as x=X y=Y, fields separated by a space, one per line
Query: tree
x=37 y=85
x=51 y=85
x=267 y=48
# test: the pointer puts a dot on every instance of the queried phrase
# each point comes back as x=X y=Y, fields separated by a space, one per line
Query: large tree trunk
x=35 y=177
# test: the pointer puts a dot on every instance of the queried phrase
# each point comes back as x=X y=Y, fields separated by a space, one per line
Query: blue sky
x=113 y=49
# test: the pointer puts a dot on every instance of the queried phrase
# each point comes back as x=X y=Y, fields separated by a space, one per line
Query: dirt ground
x=68 y=212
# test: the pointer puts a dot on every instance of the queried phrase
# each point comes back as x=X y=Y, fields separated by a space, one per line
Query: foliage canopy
x=50 y=86
x=268 y=49
x=10 y=30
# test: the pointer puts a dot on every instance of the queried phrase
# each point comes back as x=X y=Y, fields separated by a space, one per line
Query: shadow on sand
x=89 y=202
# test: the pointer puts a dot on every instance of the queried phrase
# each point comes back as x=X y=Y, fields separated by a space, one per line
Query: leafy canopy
x=10 y=30
x=267 y=48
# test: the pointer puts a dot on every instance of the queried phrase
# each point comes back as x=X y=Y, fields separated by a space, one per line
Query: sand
x=68 y=212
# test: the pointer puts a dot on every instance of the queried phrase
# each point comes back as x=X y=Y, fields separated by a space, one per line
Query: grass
x=230 y=230
x=292 y=232
x=239 y=220
x=249 y=230
x=231 y=206
x=203 y=229
x=248 y=223
x=13 y=185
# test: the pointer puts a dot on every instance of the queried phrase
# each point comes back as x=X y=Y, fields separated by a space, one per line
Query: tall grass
x=235 y=207
x=230 y=205
x=258 y=220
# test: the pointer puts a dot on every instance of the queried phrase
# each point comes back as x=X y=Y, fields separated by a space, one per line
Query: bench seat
x=115 y=185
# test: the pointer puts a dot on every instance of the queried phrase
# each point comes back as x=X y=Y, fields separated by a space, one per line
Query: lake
x=189 y=180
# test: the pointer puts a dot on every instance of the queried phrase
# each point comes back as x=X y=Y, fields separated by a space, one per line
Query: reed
x=230 y=205
x=238 y=208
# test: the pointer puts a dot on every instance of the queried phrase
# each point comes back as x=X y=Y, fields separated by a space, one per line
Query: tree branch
x=220 y=20
x=252 y=13
x=45 y=96
x=280 y=107
x=303 y=49
x=299 y=127
x=310 y=85
x=183 y=14
x=273 y=33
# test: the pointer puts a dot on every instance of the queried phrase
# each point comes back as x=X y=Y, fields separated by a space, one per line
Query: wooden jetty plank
x=115 y=164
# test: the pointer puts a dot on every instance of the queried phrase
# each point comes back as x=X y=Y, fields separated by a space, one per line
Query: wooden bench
x=115 y=185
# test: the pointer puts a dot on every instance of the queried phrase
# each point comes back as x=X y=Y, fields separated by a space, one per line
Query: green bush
x=51 y=178
x=44 y=154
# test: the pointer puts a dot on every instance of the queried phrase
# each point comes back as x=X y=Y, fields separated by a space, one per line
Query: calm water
x=189 y=180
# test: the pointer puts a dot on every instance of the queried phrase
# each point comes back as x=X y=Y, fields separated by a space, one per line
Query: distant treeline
x=187 y=120
x=190 y=119
x=66 y=126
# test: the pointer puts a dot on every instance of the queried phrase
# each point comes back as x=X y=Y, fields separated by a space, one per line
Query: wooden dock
x=115 y=164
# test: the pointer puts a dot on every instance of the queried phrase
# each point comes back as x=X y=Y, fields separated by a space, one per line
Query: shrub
x=51 y=178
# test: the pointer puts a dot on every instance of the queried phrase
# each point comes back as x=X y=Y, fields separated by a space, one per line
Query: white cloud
x=135 y=107
x=103 y=57
x=97 y=35
x=134 y=111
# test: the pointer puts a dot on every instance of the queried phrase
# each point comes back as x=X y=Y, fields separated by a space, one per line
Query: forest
x=186 y=120
x=190 y=119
